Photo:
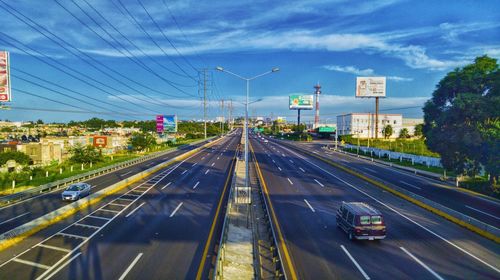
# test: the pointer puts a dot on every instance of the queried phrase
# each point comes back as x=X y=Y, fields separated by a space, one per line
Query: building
x=363 y=124
x=411 y=123
x=42 y=153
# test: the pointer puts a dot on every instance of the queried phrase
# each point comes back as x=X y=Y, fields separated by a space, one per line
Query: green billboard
x=301 y=102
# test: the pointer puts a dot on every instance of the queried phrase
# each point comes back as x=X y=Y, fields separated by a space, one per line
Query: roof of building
x=361 y=208
x=364 y=114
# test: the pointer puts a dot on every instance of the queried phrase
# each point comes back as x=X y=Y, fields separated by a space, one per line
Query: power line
x=147 y=68
x=152 y=39
x=73 y=111
x=65 y=66
x=133 y=44
x=165 y=36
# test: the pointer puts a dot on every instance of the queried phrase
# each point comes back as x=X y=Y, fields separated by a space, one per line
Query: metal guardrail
x=453 y=213
x=8 y=199
x=221 y=253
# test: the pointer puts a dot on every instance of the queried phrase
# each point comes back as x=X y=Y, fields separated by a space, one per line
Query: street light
x=275 y=69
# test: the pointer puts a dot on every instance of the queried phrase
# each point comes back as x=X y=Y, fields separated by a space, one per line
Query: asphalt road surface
x=306 y=192
x=479 y=207
x=159 y=228
x=28 y=210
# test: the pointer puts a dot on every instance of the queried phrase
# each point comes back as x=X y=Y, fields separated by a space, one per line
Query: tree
x=461 y=120
x=140 y=141
x=84 y=154
x=403 y=133
x=39 y=121
x=387 y=131
x=418 y=131
x=19 y=157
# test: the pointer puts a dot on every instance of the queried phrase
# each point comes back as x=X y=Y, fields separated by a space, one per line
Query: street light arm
x=229 y=72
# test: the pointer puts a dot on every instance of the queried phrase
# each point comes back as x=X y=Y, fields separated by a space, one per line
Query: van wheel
x=351 y=237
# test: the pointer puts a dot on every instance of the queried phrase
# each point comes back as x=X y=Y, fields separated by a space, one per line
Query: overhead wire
x=152 y=39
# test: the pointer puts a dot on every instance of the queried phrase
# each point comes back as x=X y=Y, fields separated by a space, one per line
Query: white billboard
x=301 y=102
x=370 y=86
x=5 y=90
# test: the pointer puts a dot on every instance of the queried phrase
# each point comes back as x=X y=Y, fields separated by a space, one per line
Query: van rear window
x=364 y=220
x=376 y=220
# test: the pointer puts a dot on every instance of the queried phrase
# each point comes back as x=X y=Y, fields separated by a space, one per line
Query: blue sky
x=148 y=53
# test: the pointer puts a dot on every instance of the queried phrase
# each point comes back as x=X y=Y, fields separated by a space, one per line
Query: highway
x=305 y=194
x=486 y=210
x=24 y=211
x=160 y=227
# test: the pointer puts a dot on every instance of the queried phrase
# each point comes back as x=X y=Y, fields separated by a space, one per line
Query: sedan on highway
x=76 y=191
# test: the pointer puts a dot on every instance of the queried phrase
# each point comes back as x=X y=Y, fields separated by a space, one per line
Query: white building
x=363 y=124
x=411 y=123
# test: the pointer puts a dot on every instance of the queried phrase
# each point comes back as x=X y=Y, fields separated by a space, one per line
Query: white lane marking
x=369 y=170
x=422 y=264
x=482 y=212
x=71 y=235
x=404 y=216
x=213 y=164
x=355 y=263
x=4 y=222
x=202 y=158
x=129 y=268
x=196 y=185
x=302 y=169
x=53 y=248
x=62 y=266
x=39 y=265
x=184 y=172
x=291 y=161
x=410 y=185
x=149 y=164
x=221 y=154
x=194 y=164
x=279 y=168
x=166 y=185
x=283 y=155
x=308 y=204
x=218 y=158
x=319 y=183
x=176 y=209
x=274 y=161
x=126 y=173
x=206 y=172
x=133 y=211
x=289 y=181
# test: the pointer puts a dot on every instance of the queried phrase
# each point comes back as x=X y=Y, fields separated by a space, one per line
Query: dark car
x=361 y=221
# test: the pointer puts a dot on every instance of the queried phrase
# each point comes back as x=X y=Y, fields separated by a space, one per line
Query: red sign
x=4 y=77
x=100 y=141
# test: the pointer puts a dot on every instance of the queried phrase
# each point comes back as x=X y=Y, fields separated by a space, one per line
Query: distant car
x=265 y=141
x=361 y=221
x=76 y=191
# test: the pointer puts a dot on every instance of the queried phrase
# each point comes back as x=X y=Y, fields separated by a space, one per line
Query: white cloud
x=349 y=69
x=363 y=72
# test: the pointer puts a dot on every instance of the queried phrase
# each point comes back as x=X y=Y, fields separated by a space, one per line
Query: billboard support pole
x=298 y=117
x=376 y=117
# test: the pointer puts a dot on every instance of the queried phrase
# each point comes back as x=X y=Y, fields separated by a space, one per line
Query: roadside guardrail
x=21 y=232
x=8 y=199
x=481 y=228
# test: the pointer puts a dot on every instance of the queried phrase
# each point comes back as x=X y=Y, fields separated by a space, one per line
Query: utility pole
x=230 y=123
x=205 y=100
x=222 y=117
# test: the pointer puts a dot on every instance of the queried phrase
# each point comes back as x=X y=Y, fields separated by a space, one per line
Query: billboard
x=370 y=86
x=302 y=102
x=100 y=141
x=5 y=89
x=166 y=123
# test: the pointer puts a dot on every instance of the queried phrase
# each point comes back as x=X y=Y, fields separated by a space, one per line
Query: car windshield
x=364 y=220
x=73 y=188
x=376 y=220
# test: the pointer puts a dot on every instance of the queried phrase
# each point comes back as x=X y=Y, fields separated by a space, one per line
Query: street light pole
x=218 y=68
